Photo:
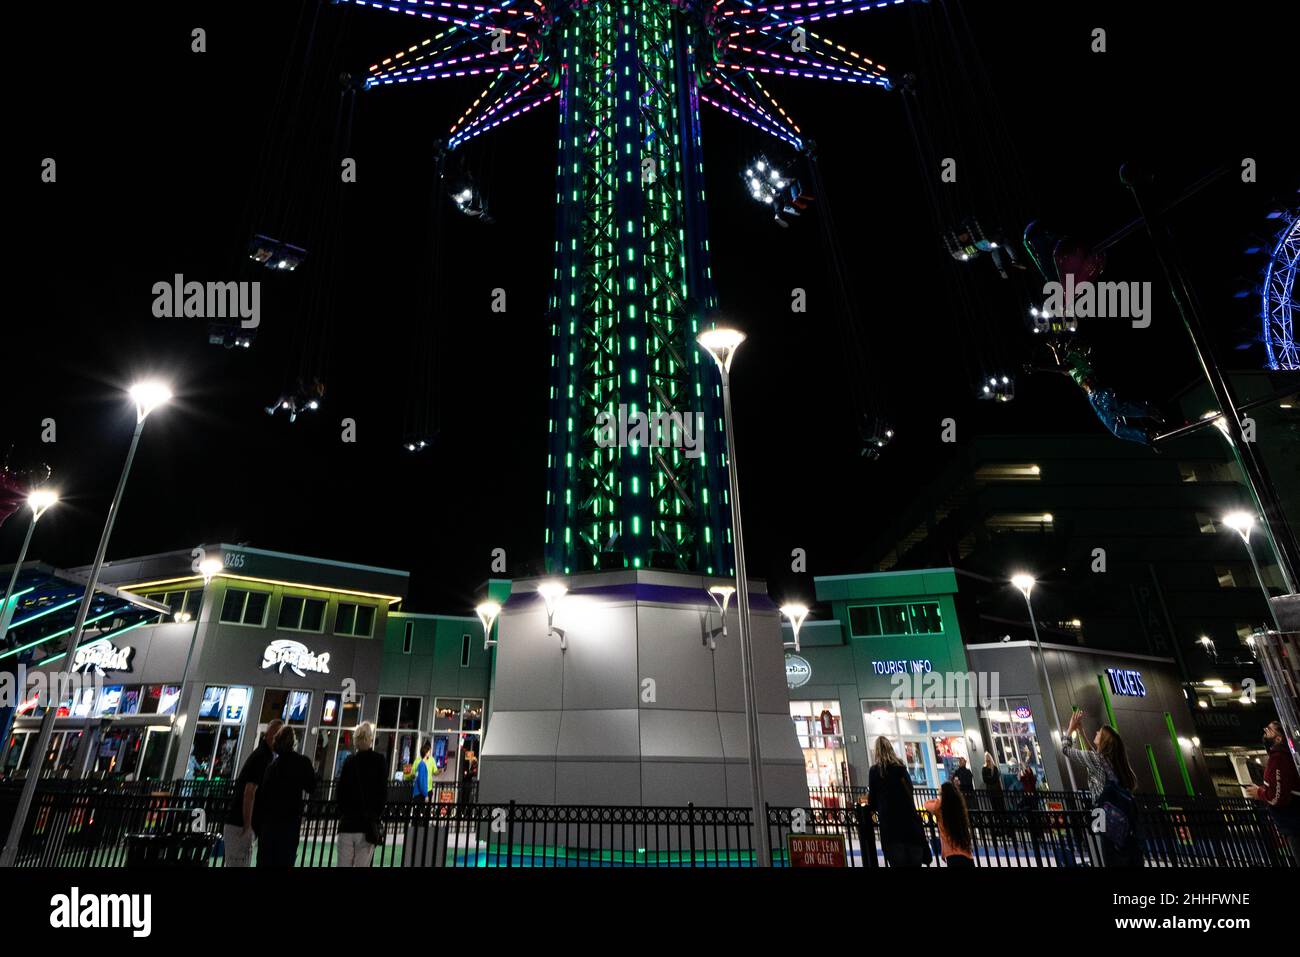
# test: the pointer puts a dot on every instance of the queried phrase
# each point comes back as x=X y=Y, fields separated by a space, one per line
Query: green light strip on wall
x=1155 y=771
x=1105 y=698
x=1178 y=752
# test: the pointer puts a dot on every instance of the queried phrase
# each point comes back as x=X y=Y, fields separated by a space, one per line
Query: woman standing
x=362 y=794
x=1111 y=782
x=993 y=783
x=889 y=795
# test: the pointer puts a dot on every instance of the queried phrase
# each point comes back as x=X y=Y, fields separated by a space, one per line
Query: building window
x=397 y=736
x=301 y=614
x=289 y=705
x=214 y=752
x=243 y=607
x=1206 y=524
x=1013 y=740
x=821 y=738
x=1206 y=472
x=355 y=620
x=929 y=739
x=186 y=602
x=464 y=651
x=339 y=718
x=916 y=618
x=408 y=637
x=457 y=730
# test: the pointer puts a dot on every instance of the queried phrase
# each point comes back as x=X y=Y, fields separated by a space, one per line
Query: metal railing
x=89 y=825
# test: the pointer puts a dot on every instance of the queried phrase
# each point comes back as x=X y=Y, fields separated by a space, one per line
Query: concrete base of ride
x=638 y=710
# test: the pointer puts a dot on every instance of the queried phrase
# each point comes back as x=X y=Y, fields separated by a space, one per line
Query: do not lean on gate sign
x=816 y=850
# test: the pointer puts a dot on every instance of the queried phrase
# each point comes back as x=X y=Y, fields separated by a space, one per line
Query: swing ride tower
x=638 y=519
x=632 y=286
x=632 y=283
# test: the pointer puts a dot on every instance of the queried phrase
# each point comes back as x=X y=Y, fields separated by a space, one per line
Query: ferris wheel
x=1277 y=297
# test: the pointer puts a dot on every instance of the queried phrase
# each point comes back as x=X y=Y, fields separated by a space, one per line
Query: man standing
x=239 y=819
x=964 y=778
x=288 y=780
x=1281 y=787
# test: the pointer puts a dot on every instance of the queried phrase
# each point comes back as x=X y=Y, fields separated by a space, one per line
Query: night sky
x=169 y=161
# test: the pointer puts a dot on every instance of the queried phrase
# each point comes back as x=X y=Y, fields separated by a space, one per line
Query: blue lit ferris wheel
x=1279 y=286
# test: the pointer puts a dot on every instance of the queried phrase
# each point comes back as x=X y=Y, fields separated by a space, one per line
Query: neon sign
x=1126 y=683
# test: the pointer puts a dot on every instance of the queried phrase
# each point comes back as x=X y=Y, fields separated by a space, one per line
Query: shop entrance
x=930 y=740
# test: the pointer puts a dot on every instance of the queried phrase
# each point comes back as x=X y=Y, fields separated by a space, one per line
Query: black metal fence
x=79 y=824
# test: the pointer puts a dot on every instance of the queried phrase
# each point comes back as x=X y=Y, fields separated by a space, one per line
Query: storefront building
x=312 y=642
x=889 y=661
x=1141 y=696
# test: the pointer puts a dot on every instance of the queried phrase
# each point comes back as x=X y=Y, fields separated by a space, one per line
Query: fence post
x=510 y=834
x=690 y=826
x=866 y=835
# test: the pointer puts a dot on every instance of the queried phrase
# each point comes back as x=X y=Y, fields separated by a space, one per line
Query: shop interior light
x=487 y=612
x=721 y=595
x=795 y=614
x=552 y=592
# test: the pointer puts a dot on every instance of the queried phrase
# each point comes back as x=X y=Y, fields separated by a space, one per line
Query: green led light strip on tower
x=631 y=285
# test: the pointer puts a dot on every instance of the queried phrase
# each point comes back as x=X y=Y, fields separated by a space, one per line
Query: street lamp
x=1243 y=523
x=721 y=595
x=39 y=501
x=1025 y=583
x=795 y=614
x=147 y=396
x=208 y=568
x=722 y=344
x=551 y=593
x=487 y=612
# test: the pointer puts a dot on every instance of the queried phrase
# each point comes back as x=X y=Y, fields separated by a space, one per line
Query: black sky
x=162 y=170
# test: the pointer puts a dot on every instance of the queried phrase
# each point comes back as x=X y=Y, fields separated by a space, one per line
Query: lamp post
x=487 y=612
x=722 y=344
x=39 y=500
x=147 y=397
x=795 y=614
x=1242 y=523
x=721 y=595
x=207 y=568
x=552 y=592
x=1026 y=584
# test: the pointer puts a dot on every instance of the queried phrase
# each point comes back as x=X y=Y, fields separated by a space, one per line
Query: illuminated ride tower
x=646 y=523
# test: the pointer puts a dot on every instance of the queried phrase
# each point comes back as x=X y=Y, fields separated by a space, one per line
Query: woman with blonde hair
x=362 y=794
x=992 y=776
x=889 y=796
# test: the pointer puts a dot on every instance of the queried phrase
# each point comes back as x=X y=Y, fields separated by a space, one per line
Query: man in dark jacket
x=964 y=778
x=277 y=815
x=239 y=819
x=1281 y=787
x=362 y=794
